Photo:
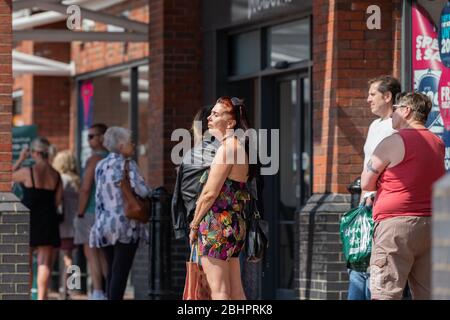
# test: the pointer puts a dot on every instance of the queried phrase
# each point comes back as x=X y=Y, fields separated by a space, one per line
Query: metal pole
x=133 y=109
x=355 y=190
x=159 y=248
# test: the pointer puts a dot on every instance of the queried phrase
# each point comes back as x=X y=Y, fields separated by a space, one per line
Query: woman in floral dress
x=218 y=225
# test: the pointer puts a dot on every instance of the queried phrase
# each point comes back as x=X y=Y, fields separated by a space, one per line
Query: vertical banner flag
x=86 y=117
x=430 y=74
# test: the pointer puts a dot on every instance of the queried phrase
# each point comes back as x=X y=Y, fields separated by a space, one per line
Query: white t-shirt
x=378 y=130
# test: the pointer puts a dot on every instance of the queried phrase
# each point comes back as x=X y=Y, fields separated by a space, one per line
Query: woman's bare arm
x=87 y=183
x=218 y=173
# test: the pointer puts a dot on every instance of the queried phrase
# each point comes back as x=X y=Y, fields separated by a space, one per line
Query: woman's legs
x=44 y=259
x=120 y=259
x=237 y=291
x=94 y=256
x=108 y=253
x=218 y=275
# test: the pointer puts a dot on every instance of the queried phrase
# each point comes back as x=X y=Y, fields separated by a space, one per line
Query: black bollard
x=159 y=246
x=355 y=190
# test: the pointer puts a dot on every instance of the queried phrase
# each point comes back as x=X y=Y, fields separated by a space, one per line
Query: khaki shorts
x=401 y=251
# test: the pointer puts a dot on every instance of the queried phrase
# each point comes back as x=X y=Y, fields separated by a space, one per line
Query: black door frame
x=270 y=119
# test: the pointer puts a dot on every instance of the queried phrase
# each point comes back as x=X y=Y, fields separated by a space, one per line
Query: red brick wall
x=46 y=99
x=346 y=54
x=51 y=96
x=175 y=79
x=90 y=56
x=5 y=94
x=25 y=82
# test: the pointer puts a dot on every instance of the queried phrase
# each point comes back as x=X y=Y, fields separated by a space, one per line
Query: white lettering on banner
x=255 y=6
x=445 y=43
x=374 y=21
x=447 y=158
x=445 y=97
x=427 y=48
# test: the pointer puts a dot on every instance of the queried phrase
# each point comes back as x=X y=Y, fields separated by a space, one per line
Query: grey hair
x=41 y=145
x=114 y=137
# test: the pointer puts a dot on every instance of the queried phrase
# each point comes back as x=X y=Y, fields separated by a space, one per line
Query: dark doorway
x=291 y=113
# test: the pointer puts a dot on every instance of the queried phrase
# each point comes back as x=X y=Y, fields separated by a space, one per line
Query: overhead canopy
x=27 y=15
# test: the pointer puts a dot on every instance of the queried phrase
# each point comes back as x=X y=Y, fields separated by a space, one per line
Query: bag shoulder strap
x=126 y=170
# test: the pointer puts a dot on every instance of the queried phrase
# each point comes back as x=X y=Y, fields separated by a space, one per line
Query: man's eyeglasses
x=397 y=106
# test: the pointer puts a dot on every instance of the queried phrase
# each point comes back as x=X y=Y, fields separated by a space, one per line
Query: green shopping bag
x=356 y=231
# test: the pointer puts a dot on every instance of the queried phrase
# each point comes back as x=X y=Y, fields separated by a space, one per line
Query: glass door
x=294 y=178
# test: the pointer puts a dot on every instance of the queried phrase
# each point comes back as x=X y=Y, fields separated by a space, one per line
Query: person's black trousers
x=120 y=259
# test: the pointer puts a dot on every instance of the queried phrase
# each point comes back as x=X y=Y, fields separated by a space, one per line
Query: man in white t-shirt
x=382 y=93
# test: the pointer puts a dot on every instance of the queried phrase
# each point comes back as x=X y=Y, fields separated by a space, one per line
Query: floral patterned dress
x=222 y=230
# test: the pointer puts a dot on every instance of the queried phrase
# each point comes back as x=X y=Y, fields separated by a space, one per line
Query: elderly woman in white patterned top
x=113 y=232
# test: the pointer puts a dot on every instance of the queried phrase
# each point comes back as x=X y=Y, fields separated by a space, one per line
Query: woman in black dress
x=42 y=194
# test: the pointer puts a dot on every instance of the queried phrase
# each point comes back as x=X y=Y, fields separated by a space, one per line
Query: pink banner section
x=87 y=92
x=444 y=97
x=425 y=53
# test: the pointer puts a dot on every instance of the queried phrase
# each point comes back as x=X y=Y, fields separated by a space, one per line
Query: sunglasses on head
x=236 y=102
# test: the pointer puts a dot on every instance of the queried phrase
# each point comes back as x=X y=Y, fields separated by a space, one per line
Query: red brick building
x=301 y=66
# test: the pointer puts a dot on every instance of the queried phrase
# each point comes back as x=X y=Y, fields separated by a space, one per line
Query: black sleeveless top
x=44 y=225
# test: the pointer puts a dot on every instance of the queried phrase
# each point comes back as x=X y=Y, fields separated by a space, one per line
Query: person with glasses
x=42 y=194
x=403 y=169
x=115 y=234
x=382 y=92
x=218 y=226
x=86 y=212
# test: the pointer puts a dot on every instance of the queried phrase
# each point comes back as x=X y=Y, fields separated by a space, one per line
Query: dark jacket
x=188 y=186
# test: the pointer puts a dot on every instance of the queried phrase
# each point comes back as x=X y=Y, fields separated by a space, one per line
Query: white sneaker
x=97 y=295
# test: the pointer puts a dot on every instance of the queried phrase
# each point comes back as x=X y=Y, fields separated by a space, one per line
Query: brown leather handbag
x=196 y=286
x=136 y=208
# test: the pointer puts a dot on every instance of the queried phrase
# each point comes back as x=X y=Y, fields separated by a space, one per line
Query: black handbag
x=257 y=239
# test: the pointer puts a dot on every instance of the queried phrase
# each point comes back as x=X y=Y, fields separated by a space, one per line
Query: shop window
x=289 y=42
x=17 y=102
x=116 y=99
x=245 y=53
x=17 y=98
x=111 y=99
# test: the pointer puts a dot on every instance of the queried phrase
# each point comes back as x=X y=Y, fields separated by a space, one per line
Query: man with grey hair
x=403 y=169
